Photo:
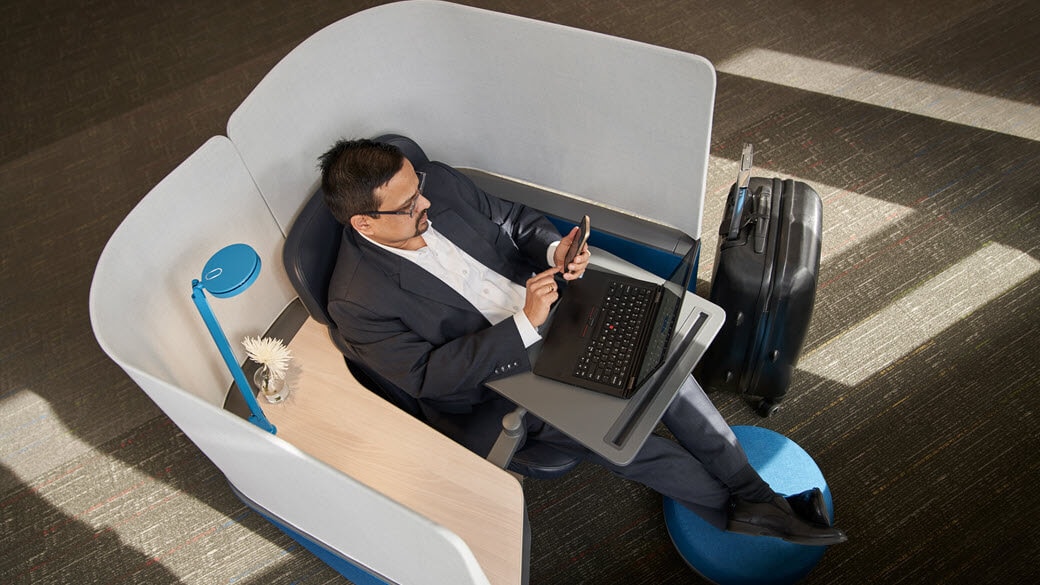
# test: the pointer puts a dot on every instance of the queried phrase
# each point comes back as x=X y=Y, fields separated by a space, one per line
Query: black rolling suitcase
x=766 y=266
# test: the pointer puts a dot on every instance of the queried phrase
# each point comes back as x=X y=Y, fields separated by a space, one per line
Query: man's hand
x=577 y=266
x=541 y=294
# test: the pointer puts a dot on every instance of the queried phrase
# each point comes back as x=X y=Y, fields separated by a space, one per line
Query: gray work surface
x=616 y=428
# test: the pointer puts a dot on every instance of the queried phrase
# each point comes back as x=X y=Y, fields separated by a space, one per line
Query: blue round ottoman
x=726 y=558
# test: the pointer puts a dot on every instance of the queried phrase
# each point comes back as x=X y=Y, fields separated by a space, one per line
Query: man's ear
x=362 y=223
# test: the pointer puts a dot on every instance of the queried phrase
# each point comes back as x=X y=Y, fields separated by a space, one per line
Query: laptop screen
x=668 y=315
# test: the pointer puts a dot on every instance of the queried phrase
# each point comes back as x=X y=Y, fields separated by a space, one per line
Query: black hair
x=352 y=170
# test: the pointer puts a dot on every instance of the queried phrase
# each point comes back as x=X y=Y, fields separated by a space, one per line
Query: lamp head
x=231 y=270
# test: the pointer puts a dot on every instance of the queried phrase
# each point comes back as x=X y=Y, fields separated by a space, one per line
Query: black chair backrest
x=409 y=148
x=310 y=252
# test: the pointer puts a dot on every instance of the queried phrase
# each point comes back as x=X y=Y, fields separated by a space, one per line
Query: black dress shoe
x=811 y=507
x=776 y=518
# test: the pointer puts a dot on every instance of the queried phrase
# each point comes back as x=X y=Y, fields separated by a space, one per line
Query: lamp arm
x=257 y=414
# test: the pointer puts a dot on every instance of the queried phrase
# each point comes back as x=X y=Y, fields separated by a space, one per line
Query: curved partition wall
x=144 y=319
x=144 y=275
x=624 y=123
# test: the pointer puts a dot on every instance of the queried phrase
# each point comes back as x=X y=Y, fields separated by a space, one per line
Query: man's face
x=400 y=194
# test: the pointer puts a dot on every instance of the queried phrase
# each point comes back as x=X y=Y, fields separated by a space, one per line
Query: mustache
x=418 y=223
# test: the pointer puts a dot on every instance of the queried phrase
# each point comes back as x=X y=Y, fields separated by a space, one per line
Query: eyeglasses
x=410 y=211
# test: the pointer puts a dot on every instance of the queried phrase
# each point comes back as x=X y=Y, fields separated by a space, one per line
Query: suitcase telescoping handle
x=743 y=177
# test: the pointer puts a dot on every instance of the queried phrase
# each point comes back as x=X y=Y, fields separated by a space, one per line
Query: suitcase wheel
x=767 y=408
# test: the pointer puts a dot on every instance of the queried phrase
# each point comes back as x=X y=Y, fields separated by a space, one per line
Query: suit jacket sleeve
x=426 y=358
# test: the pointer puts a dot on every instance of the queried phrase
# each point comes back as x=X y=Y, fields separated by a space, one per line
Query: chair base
x=726 y=558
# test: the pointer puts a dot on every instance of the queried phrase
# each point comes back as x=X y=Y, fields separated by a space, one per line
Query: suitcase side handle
x=762 y=213
x=743 y=177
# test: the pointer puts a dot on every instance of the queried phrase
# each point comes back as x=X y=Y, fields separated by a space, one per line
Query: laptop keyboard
x=611 y=350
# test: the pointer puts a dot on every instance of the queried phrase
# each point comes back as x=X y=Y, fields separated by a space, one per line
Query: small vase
x=273 y=389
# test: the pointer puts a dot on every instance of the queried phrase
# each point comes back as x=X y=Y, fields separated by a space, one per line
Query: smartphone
x=579 y=242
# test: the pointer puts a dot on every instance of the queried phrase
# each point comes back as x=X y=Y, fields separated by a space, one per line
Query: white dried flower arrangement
x=269 y=352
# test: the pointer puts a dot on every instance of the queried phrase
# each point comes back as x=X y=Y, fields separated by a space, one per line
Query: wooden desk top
x=334 y=419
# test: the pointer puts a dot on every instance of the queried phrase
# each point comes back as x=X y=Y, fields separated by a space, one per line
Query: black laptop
x=611 y=332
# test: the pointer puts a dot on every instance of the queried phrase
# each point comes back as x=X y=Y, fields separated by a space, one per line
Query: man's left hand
x=577 y=266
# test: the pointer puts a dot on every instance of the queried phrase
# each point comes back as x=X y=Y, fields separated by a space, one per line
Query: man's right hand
x=541 y=294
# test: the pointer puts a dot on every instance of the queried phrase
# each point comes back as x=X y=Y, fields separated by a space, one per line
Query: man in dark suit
x=440 y=287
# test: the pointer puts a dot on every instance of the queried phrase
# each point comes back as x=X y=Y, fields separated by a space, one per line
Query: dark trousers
x=702 y=469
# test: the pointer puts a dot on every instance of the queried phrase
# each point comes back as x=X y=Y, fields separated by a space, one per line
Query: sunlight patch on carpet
x=887 y=91
x=922 y=314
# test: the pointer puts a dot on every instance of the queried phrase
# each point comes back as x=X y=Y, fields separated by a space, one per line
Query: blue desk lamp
x=229 y=272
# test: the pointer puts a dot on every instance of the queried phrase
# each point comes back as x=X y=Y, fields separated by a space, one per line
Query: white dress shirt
x=495 y=296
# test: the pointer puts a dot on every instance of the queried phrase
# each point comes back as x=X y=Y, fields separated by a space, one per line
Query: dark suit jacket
x=422 y=337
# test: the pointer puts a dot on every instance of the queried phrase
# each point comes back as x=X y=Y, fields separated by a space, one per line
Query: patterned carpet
x=918 y=124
